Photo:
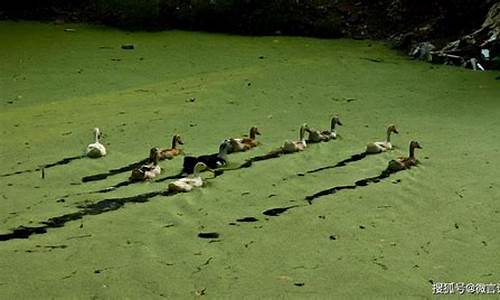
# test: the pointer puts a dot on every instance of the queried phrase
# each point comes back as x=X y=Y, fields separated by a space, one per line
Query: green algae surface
x=436 y=222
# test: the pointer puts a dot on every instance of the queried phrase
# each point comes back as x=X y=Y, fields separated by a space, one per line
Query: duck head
x=253 y=132
x=200 y=167
x=224 y=148
x=392 y=129
x=176 y=140
x=335 y=121
x=415 y=145
x=154 y=155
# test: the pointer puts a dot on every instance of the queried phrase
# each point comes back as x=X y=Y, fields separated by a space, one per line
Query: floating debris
x=208 y=235
x=247 y=220
x=128 y=47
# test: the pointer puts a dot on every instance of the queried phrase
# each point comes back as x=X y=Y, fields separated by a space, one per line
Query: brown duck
x=245 y=143
x=403 y=163
x=169 y=153
x=149 y=170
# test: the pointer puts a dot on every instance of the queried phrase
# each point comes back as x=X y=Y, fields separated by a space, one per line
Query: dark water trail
x=112 y=172
x=217 y=172
x=343 y=163
x=273 y=212
x=178 y=176
x=208 y=235
x=249 y=162
x=247 y=220
x=103 y=206
x=115 y=187
x=360 y=183
x=63 y=161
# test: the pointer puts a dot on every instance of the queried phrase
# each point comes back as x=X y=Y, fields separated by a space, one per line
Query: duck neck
x=155 y=160
x=302 y=134
x=222 y=152
x=412 y=151
x=252 y=134
x=196 y=172
x=96 y=133
x=388 y=138
x=174 y=142
x=332 y=125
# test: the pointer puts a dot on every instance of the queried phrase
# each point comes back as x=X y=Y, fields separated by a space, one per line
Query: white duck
x=294 y=146
x=194 y=180
x=378 y=147
x=96 y=150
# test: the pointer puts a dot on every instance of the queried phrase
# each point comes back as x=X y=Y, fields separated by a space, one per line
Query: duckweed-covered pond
x=437 y=222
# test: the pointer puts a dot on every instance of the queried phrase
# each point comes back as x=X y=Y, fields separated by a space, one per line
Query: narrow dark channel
x=102 y=176
x=360 y=183
x=100 y=207
x=63 y=161
x=343 y=163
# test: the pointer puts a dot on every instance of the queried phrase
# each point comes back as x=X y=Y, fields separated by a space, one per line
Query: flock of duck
x=194 y=165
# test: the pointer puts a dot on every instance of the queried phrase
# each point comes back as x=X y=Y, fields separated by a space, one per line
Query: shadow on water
x=273 y=212
x=115 y=187
x=63 y=161
x=105 y=190
x=100 y=207
x=177 y=176
x=360 y=183
x=217 y=173
x=249 y=162
x=343 y=163
x=112 y=172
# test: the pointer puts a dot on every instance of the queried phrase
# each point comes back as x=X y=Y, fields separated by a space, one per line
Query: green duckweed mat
x=437 y=222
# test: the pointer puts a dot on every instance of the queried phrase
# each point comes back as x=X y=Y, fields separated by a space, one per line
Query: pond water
x=251 y=231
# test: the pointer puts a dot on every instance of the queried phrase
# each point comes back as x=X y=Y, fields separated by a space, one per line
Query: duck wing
x=189 y=163
x=213 y=161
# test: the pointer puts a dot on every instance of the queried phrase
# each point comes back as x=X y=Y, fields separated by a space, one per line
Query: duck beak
x=180 y=142
x=419 y=147
x=396 y=131
x=339 y=123
x=257 y=132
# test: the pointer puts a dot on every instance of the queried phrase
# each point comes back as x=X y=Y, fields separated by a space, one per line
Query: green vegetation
x=435 y=222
